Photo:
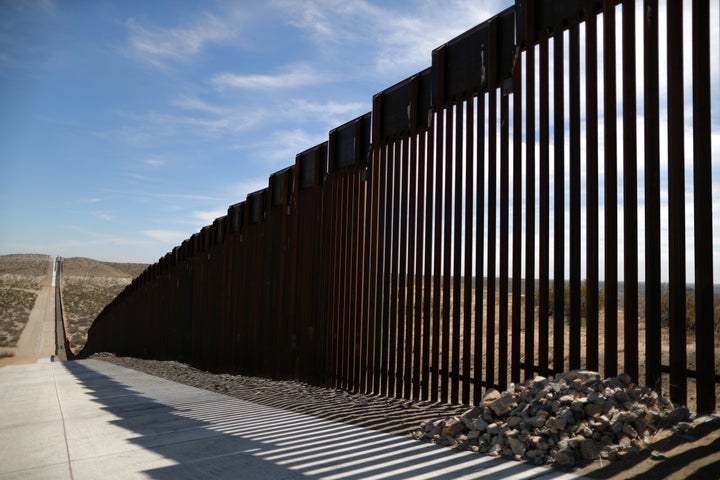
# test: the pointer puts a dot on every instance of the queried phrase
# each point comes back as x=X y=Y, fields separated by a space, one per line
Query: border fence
x=469 y=232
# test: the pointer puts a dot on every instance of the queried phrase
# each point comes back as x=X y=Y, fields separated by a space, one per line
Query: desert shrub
x=566 y=296
x=690 y=314
x=15 y=307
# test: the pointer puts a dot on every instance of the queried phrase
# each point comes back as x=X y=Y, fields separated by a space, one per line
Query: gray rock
x=479 y=424
x=453 y=427
x=680 y=414
x=572 y=416
x=493 y=429
x=517 y=446
x=559 y=424
x=609 y=453
x=589 y=450
x=624 y=379
x=490 y=396
x=539 y=382
x=593 y=410
x=503 y=405
x=468 y=418
x=514 y=421
x=629 y=431
x=537 y=421
x=566 y=458
x=583 y=375
x=446 y=441
x=534 y=453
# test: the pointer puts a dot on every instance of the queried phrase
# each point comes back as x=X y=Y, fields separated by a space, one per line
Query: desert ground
x=87 y=287
x=21 y=277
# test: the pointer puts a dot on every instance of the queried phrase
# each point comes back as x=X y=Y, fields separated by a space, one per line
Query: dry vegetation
x=87 y=287
x=20 y=279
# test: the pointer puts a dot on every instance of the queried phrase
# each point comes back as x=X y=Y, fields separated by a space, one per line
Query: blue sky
x=128 y=125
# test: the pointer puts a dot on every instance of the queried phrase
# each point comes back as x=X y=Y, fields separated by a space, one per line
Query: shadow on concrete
x=208 y=435
x=694 y=454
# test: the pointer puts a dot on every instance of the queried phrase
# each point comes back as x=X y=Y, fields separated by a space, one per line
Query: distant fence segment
x=464 y=234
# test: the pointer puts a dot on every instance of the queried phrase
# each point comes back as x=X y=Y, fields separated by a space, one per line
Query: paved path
x=37 y=341
x=92 y=419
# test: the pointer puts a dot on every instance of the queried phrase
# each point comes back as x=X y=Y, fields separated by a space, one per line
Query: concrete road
x=37 y=341
x=92 y=419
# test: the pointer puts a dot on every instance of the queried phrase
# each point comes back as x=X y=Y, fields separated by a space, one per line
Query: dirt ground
x=21 y=278
x=87 y=287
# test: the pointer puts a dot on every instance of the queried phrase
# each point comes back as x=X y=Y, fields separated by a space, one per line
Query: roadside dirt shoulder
x=38 y=338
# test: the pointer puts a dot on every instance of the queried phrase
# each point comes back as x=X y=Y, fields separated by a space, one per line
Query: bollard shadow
x=163 y=430
x=693 y=454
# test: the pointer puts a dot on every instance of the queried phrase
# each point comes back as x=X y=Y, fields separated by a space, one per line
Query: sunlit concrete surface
x=92 y=419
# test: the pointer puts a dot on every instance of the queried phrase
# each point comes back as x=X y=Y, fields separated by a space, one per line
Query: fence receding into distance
x=426 y=250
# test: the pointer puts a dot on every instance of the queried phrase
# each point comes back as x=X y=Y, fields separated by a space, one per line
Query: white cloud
x=401 y=38
x=166 y=236
x=157 y=45
x=329 y=108
x=208 y=216
x=279 y=148
x=197 y=105
x=155 y=162
x=239 y=191
x=292 y=76
x=104 y=216
x=148 y=128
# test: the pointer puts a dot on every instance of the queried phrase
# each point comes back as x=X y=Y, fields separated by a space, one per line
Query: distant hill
x=87 y=267
x=24 y=264
x=87 y=287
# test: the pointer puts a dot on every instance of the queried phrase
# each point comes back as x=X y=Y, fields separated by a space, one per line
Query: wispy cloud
x=179 y=196
x=333 y=112
x=402 y=39
x=166 y=236
x=157 y=45
x=208 y=216
x=278 y=149
x=196 y=105
x=154 y=127
x=240 y=190
x=292 y=76
x=45 y=6
x=170 y=196
x=155 y=162
x=104 y=216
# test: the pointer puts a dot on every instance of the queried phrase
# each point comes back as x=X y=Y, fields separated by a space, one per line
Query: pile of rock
x=573 y=416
